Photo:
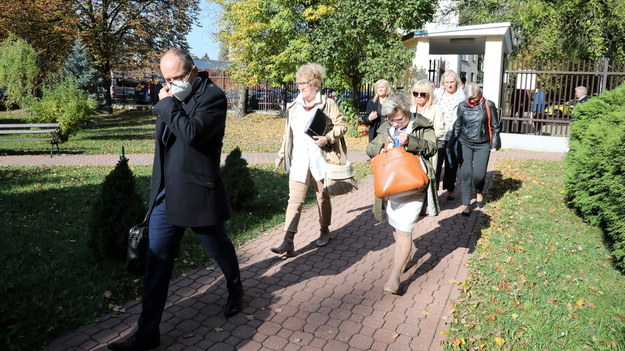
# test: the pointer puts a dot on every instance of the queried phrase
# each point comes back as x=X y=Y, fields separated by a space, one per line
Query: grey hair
x=394 y=103
x=582 y=90
x=473 y=92
x=184 y=57
x=451 y=74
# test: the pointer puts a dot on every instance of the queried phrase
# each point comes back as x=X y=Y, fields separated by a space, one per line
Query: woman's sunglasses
x=419 y=94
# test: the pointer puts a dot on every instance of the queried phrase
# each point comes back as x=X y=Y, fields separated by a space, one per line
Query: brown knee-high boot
x=403 y=247
x=286 y=246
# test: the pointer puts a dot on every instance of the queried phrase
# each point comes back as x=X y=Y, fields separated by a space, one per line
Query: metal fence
x=267 y=98
x=539 y=96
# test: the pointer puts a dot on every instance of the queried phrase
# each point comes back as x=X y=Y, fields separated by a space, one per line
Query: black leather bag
x=137 y=247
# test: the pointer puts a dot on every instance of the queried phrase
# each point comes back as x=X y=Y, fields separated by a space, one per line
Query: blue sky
x=202 y=39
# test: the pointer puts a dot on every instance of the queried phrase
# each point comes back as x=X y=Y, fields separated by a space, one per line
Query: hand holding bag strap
x=397 y=172
x=490 y=130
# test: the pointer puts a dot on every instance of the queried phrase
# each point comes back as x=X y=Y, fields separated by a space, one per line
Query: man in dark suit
x=581 y=94
x=186 y=190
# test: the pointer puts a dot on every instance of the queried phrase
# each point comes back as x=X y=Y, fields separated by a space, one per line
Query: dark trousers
x=473 y=170
x=451 y=168
x=164 y=245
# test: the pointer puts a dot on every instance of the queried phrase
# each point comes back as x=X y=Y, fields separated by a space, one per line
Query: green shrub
x=117 y=208
x=238 y=180
x=595 y=166
x=18 y=70
x=65 y=104
x=350 y=114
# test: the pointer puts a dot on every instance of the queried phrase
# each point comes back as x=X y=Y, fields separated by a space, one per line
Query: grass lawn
x=539 y=278
x=134 y=130
x=52 y=283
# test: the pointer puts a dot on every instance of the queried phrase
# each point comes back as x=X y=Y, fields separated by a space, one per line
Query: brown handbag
x=397 y=172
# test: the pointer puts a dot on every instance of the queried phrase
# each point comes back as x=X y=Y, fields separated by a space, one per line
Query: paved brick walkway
x=326 y=298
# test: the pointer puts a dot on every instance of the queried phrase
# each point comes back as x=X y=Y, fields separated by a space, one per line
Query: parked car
x=123 y=87
x=561 y=110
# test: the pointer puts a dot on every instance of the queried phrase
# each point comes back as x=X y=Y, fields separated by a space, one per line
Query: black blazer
x=186 y=163
x=373 y=105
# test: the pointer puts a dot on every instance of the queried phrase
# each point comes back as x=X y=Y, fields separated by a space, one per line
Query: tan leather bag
x=397 y=172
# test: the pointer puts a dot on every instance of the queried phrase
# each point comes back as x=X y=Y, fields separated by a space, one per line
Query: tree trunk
x=240 y=108
x=105 y=72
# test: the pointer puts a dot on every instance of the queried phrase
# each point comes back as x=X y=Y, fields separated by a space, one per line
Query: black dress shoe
x=135 y=343
x=233 y=305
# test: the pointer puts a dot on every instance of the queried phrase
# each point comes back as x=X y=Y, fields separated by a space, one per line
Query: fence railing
x=267 y=98
x=539 y=96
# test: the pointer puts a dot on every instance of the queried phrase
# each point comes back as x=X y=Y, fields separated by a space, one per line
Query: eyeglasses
x=419 y=94
x=305 y=84
x=399 y=120
x=171 y=83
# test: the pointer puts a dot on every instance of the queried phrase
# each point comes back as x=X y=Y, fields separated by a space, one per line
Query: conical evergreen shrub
x=118 y=207
x=238 y=180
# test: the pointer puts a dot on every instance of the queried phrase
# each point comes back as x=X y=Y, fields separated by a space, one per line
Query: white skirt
x=404 y=211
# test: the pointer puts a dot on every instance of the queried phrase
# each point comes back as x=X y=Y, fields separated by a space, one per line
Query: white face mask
x=181 y=89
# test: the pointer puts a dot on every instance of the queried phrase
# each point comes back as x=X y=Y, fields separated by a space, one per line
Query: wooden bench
x=52 y=129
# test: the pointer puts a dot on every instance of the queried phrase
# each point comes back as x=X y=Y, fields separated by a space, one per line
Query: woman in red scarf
x=477 y=130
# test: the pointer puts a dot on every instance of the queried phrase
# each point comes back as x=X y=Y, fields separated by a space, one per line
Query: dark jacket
x=186 y=163
x=471 y=126
x=421 y=141
x=373 y=105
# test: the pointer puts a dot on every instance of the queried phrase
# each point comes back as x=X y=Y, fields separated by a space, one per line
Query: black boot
x=286 y=246
x=135 y=343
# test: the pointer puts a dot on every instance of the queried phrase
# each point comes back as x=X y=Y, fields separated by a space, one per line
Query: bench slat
x=38 y=139
x=32 y=125
x=27 y=131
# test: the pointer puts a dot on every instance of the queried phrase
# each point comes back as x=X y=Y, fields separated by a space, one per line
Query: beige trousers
x=297 y=194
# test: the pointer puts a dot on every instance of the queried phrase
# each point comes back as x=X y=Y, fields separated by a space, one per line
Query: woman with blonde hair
x=424 y=104
x=414 y=133
x=448 y=96
x=305 y=157
x=373 y=115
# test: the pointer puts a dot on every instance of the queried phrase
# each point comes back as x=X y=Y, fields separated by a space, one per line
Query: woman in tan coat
x=305 y=157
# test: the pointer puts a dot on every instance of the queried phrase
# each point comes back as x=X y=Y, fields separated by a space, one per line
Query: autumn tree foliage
x=127 y=35
x=355 y=40
x=556 y=29
x=48 y=26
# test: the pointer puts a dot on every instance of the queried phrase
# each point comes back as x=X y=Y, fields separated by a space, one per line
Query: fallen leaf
x=458 y=342
x=500 y=341
x=296 y=340
x=395 y=335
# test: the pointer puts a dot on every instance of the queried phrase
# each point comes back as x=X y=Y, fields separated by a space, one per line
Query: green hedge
x=595 y=166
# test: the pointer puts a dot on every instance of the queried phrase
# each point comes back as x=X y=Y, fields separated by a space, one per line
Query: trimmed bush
x=65 y=104
x=238 y=180
x=114 y=212
x=595 y=166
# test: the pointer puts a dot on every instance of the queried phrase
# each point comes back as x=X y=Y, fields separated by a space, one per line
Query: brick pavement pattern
x=327 y=298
